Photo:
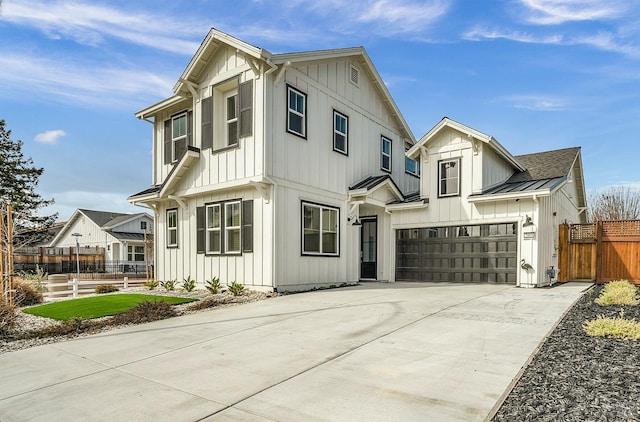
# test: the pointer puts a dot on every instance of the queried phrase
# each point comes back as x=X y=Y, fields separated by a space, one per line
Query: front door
x=369 y=248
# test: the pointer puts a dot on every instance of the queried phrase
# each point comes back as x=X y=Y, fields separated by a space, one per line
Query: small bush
x=236 y=288
x=625 y=329
x=106 y=288
x=38 y=278
x=210 y=302
x=146 y=311
x=213 y=285
x=7 y=318
x=169 y=284
x=151 y=284
x=619 y=292
x=189 y=284
x=71 y=327
x=26 y=294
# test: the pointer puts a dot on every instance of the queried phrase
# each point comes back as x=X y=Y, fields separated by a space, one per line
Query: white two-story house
x=266 y=165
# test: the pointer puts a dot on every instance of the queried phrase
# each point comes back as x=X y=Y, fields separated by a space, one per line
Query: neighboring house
x=295 y=171
x=121 y=235
x=483 y=215
x=253 y=158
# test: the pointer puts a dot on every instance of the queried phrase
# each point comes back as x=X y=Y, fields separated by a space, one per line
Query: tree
x=20 y=223
x=616 y=203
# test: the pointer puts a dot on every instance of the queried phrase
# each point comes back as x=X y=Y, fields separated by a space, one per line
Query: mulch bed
x=575 y=377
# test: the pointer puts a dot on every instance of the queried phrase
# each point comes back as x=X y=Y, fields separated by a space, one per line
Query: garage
x=483 y=253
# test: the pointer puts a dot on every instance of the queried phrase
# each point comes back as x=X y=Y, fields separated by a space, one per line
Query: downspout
x=266 y=172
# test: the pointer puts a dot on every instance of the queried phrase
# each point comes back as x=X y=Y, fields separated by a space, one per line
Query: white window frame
x=170 y=229
x=442 y=177
x=321 y=230
x=174 y=138
x=228 y=228
x=383 y=155
x=337 y=132
x=302 y=114
x=233 y=120
x=212 y=228
x=410 y=161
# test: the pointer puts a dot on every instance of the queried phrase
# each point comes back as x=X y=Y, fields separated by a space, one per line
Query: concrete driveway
x=375 y=352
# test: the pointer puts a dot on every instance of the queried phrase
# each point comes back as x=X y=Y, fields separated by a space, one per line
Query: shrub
x=210 y=302
x=189 y=284
x=213 y=285
x=73 y=326
x=106 y=288
x=26 y=294
x=619 y=292
x=151 y=284
x=625 y=329
x=7 y=318
x=236 y=288
x=169 y=284
x=38 y=278
x=146 y=311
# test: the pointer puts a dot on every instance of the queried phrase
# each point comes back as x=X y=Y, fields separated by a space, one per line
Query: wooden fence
x=58 y=286
x=602 y=251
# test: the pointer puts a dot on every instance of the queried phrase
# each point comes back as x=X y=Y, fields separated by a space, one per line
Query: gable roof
x=472 y=135
x=105 y=220
x=373 y=183
x=546 y=165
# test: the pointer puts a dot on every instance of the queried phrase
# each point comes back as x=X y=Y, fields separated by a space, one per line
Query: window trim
x=131 y=253
x=303 y=115
x=223 y=229
x=229 y=228
x=321 y=207
x=440 y=179
x=407 y=159
x=170 y=229
x=336 y=132
x=383 y=154
x=175 y=140
x=226 y=95
x=207 y=229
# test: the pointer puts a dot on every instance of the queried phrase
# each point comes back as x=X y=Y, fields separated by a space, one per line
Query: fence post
x=126 y=282
x=75 y=288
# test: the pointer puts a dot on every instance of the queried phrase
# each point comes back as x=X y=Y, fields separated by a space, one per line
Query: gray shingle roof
x=370 y=182
x=102 y=217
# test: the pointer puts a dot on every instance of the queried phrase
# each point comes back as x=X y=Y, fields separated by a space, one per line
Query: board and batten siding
x=495 y=170
x=252 y=269
x=313 y=161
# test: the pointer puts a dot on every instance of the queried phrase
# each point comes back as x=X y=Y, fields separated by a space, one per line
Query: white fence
x=59 y=286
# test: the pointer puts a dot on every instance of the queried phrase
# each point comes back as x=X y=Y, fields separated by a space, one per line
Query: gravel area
x=575 y=377
x=26 y=322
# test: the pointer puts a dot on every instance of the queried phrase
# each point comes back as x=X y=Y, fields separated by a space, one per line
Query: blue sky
x=536 y=74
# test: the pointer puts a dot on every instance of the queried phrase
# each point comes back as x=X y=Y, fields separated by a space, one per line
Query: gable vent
x=354 y=75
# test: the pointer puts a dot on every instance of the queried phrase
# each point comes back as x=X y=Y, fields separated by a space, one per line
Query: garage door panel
x=477 y=254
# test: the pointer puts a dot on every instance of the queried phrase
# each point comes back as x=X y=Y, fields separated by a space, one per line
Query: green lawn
x=98 y=306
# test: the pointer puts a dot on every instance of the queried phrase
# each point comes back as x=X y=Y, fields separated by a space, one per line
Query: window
x=231 y=105
x=385 y=154
x=225 y=227
x=449 y=177
x=232 y=227
x=178 y=135
x=135 y=253
x=340 y=132
x=214 y=225
x=172 y=228
x=296 y=115
x=143 y=225
x=411 y=166
x=319 y=230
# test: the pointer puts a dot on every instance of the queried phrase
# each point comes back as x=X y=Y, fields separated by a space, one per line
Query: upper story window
x=296 y=112
x=320 y=234
x=172 y=228
x=385 y=154
x=178 y=135
x=231 y=105
x=449 y=177
x=411 y=166
x=340 y=132
x=143 y=225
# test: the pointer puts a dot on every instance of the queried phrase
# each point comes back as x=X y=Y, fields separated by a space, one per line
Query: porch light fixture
x=354 y=220
x=357 y=222
x=527 y=222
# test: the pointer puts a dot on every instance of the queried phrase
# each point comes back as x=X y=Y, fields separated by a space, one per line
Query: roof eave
x=161 y=105
x=512 y=195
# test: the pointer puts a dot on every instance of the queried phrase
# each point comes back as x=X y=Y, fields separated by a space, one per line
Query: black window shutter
x=189 y=128
x=200 y=229
x=181 y=148
x=206 y=109
x=247 y=226
x=246 y=108
x=167 y=141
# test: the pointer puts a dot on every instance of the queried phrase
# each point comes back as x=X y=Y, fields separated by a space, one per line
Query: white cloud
x=89 y=24
x=403 y=16
x=479 y=33
x=553 y=12
x=50 y=136
x=537 y=102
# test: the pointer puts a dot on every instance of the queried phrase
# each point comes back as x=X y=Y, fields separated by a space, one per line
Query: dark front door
x=369 y=248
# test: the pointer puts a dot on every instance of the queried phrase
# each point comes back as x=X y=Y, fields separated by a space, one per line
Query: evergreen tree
x=18 y=182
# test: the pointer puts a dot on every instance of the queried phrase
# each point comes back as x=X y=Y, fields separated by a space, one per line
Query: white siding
x=495 y=169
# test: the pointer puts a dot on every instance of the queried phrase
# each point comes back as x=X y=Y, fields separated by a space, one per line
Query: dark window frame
x=337 y=114
x=440 y=178
x=303 y=114
x=321 y=207
x=383 y=154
